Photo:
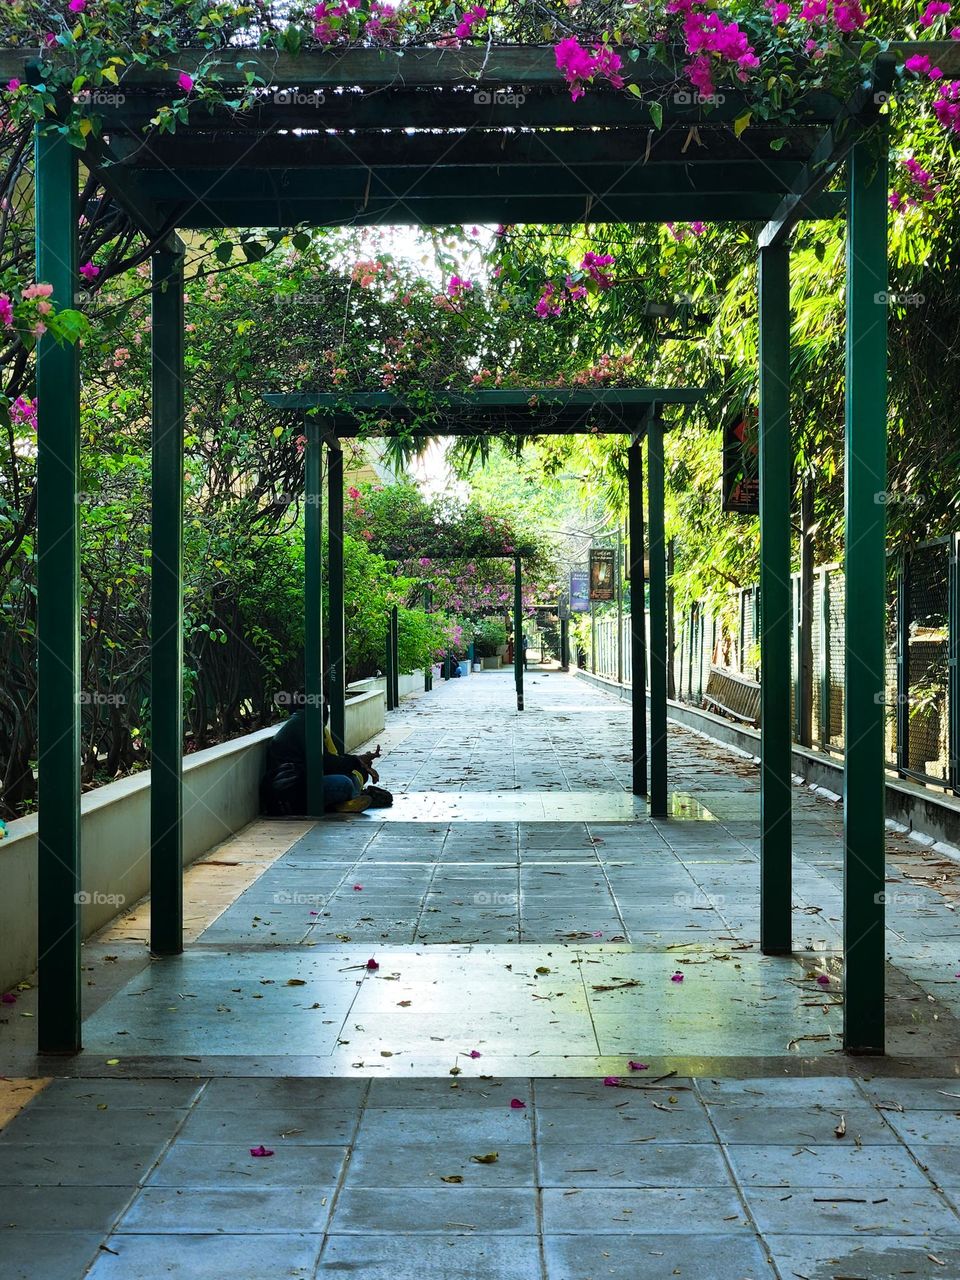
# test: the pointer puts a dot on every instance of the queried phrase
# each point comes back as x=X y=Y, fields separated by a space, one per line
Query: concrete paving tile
x=454 y=1257
x=802 y=1125
x=255 y=1093
x=30 y=1255
x=493 y=1126
x=454 y=1095
x=854 y=1210
x=437 y=1210
x=211 y=1166
x=878 y=1257
x=656 y=1257
x=85 y=1123
x=60 y=1208
x=239 y=1211
x=784 y=1091
x=178 y=1256
x=674 y=1164
x=932 y=1094
x=640 y=1211
x=51 y=1164
x=831 y=1167
x=390 y=1165
x=290 y=1126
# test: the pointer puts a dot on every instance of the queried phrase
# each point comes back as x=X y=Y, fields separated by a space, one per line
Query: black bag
x=283 y=790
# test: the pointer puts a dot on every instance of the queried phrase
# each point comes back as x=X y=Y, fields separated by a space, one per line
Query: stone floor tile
x=178 y=1256
x=656 y=1257
x=425 y=1257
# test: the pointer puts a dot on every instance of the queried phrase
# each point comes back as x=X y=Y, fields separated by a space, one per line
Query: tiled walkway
x=531 y=933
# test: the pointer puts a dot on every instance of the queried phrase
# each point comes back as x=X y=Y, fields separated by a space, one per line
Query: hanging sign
x=579 y=590
x=741 y=467
x=602 y=580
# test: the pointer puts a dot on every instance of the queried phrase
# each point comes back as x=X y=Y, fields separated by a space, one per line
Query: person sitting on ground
x=346 y=778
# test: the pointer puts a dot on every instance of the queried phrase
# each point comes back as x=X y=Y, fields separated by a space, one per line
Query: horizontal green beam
x=545 y=398
x=332 y=171
x=407 y=210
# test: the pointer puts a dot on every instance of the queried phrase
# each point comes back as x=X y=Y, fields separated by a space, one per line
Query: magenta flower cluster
x=470 y=19
x=581 y=66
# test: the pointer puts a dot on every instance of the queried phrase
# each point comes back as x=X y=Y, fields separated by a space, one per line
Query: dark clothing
x=283 y=789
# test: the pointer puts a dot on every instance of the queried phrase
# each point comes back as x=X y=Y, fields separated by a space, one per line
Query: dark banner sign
x=603 y=584
x=741 y=467
x=579 y=590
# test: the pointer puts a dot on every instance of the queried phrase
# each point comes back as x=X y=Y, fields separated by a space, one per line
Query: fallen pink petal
x=260 y=1151
x=357 y=888
x=373 y=965
x=517 y=1104
x=8 y=998
x=612 y=1081
x=474 y=1053
x=823 y=979
x=677 y=977
x=638 y=1066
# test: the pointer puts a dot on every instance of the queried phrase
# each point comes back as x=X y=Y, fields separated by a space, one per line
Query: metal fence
x=922 y=693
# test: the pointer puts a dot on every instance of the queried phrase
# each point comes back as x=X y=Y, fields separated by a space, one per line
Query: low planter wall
x=410 y=683
x=220 y=795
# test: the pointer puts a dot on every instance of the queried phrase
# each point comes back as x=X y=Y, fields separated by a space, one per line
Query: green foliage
x=488 y=636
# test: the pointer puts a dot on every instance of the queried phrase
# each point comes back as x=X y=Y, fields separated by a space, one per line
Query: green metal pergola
x=435 y=137
x=326 y=418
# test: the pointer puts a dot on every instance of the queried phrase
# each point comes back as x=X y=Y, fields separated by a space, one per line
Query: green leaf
x=223 y=253
x=656 y=114
x=741 y=123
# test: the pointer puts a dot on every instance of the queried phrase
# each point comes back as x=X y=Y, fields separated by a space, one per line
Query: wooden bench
x=733 y=694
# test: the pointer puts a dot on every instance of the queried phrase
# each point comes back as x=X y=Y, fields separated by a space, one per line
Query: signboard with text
x=603 y=584
x=741 y=466
x=579 y=590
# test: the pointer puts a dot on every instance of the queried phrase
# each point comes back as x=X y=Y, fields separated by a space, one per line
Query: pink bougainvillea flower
x=823 y=979
x=918 y=62
x=779 y=13
x=6 y=310
x=895 y=200
x=677 y=977
x=638 y=1066
x=517 y=1104
x=612 y=1082
x=357 y=888
x=933 y=11
x=89 y=271
x=457 y=287
x=185 y=82
x=373 y=965
x=77 y=6
x=23 y=412
x=475 y=1053
x=260 y=1151
x=13 y=86
x=471 y=18
x=955 y=33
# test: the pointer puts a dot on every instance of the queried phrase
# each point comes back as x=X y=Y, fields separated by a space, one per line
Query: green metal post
x=638 y=628
x=825 y=673
x=166 y=610
x=388 y=671
x=658 y=617
x=395 y=652
x=903 y=667
x=865 y=481
x=313 y=617
x=58 y=610
x=428 y=669
x=953 y=663
x=518 y=629
x=336 y=625
x=776 y=604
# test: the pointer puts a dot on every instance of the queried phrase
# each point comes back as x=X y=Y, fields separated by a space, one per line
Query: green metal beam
x=58 y=609
x=776 y=458
x=313 y=616
x=638 y=622
x=865 y=482
x=336 y=623
x=659 y=656
x=207 y=211
x=518 y=629
x=166 y=610
x=527 y=400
